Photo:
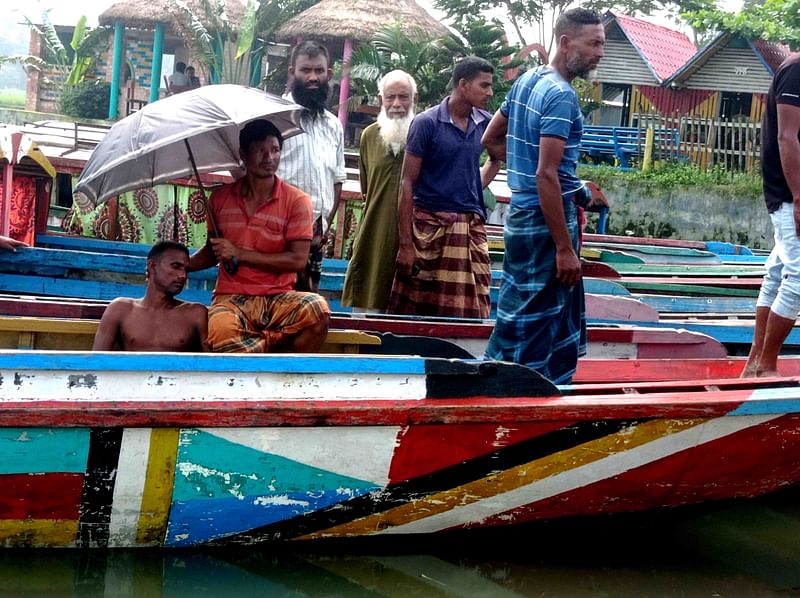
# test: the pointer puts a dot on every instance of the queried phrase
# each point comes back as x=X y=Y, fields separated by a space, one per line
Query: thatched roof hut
x=146 y=14
x=340 y=19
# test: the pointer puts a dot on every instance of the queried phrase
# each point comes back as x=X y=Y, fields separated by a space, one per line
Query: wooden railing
x=707 y=142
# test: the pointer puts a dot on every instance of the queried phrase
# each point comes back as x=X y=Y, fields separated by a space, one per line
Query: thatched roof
x=358 y=21
x=146 y=14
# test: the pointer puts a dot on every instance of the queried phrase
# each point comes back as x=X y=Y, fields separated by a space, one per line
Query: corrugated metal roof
x=664 y=49
x=772 y=54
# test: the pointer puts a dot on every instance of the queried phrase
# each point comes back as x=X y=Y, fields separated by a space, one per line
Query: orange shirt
x=286 y=217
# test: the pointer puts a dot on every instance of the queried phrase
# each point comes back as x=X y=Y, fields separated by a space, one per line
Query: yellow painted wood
x=157 y=494
x=78 y=335
x=38 y=533
x=591 y=254
x=511 y=479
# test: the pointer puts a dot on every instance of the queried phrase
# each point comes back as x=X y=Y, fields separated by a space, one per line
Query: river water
x=737 y=550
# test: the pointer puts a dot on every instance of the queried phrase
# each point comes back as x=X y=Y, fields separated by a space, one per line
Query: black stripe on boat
x=98 y=487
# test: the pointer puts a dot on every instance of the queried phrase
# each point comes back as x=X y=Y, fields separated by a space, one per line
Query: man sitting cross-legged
x=158 y=321
x=265 y=228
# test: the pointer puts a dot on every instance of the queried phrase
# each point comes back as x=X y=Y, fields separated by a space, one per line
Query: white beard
x=394 y=131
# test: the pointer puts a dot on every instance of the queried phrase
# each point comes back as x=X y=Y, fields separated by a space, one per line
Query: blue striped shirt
x=541 y=103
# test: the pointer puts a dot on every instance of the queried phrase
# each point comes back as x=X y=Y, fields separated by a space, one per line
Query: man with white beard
x=372 y=265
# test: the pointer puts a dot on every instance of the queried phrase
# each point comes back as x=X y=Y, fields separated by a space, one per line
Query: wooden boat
x=397 y=336
x=132 y=450
x=666 y=370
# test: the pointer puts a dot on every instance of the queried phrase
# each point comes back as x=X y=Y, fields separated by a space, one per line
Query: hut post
x=116 y=69
x=344 y=87
x=158 y=55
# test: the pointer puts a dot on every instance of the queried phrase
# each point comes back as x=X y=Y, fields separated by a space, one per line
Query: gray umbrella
x=152 y=146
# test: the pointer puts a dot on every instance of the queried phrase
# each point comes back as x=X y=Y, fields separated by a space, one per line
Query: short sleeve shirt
x=449 y=177
x=541 y=103
x=785 y=89
x=284 y=218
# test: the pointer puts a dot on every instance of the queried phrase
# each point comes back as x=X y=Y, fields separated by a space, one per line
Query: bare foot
x=749 y=371
x=767 y=374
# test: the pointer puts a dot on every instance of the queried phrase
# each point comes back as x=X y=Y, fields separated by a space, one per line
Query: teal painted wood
x=84 y=361
x=750 y=260
x=721 y=248
x=655 y=250
x=678 y=304
x=619 y=257
x=686 y=289
x=602 y=286
x=43 y=450
x=51 y=241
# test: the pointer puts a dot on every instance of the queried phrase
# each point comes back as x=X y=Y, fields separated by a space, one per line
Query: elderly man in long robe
x=372 y=265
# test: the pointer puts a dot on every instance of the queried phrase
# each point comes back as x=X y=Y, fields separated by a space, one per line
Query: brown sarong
x=452 y=268
x=256 y=324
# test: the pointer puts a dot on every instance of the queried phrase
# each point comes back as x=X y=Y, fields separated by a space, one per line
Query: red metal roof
x=773 y=54
x=666 y=50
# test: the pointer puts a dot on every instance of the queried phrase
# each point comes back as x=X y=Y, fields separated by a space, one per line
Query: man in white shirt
x=314 y=161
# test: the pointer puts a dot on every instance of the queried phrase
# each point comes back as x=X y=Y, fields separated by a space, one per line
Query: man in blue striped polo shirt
x=537 y=131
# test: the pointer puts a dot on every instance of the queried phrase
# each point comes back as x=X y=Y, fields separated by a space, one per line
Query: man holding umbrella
x=265 y=227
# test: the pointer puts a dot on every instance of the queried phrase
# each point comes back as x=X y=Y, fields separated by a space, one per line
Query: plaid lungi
x=452 y=268
x=540 y=322
x=256 y=324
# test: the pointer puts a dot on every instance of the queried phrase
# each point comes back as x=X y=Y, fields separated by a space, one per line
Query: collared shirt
x=285 y=217
x=314 y=160
x=449 y=177
x=541 y=103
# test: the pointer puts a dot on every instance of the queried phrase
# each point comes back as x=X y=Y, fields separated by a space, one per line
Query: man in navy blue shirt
x=540 y=312
x=443 y=266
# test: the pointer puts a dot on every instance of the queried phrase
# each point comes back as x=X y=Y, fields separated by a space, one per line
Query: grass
x=12 y=98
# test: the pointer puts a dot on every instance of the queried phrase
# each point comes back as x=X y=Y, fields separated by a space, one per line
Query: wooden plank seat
x=602 y=142
x=78 y=335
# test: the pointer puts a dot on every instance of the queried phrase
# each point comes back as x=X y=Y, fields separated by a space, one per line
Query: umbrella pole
x=231 y=266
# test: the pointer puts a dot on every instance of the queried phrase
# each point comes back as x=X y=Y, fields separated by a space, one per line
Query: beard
x=313 y=100
x=583 y=70
x=394 y=131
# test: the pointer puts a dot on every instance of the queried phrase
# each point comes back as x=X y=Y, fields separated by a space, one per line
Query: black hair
x=160 y=248
x=570 y=20
x=258 y=130
x=180 y=66
x=311 y=49
x=470 y=67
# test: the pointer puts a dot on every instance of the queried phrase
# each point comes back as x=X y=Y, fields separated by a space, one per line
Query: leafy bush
x=88 y=99
x=671 y=174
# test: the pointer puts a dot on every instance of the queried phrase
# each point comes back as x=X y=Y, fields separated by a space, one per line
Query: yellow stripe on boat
x=511 y=479
x=157 y=495
x=38 y=532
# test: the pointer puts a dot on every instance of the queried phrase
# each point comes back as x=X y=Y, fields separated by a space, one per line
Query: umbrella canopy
x=149 y=146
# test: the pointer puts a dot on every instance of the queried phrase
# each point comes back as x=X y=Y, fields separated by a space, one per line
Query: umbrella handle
x=231 y=265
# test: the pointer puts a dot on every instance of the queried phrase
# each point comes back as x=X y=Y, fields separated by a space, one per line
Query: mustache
x=314 y=100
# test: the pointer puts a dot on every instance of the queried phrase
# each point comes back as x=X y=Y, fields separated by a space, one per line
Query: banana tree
x=222 y=50
x=76 y=65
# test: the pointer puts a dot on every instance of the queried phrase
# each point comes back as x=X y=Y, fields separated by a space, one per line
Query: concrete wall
x=688 y=213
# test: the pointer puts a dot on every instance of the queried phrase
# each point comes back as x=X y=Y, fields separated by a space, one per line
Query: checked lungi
x=258 y=324
x=540 y=323
x=452 y=270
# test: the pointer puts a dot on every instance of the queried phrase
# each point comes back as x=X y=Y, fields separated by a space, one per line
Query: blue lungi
x=540 y=322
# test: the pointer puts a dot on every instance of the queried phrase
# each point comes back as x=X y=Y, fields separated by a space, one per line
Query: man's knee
x=787 y=301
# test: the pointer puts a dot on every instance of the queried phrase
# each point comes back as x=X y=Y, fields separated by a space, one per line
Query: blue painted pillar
x=116 y=69
x=158 y=51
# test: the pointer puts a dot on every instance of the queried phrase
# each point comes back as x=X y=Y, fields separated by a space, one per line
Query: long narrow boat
x=126 y=450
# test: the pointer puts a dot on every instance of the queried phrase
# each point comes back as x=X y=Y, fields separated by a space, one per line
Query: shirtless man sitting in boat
x=158 y=321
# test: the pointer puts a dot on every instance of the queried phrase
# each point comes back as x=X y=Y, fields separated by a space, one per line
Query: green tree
x=76 y=63
x=423 y=57
x=772 y=20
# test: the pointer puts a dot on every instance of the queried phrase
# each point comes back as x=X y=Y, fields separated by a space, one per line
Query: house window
x=735 y=105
